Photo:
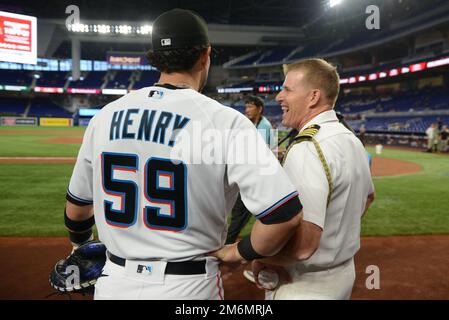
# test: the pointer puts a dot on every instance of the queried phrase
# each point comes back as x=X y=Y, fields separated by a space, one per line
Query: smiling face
x=297 y=99
x=311 y=87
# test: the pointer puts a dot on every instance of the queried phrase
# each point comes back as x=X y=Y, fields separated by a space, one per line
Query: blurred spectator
x=362 y=133
x=439 y=124
x=436 y=141
x=444 y=138
x=432 y=137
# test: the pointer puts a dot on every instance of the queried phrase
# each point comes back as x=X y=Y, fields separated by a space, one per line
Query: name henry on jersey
x=146 y=125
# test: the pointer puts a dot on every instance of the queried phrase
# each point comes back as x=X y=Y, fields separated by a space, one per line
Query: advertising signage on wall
x=83 y=90
x=48 y=90
x=18 y=38
x=421 y=66
x=129 y=59
x=55 y=122
x=17 y=121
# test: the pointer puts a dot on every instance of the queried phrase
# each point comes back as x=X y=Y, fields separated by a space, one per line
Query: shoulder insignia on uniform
x=308 y=133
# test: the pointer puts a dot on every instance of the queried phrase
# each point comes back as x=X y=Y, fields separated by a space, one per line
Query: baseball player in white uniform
x=329 y=167
x=159 y=208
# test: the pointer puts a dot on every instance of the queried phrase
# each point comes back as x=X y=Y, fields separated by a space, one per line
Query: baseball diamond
x=223 y=150
x=395 y=167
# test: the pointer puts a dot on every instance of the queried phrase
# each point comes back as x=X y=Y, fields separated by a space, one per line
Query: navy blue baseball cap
x=178 y=28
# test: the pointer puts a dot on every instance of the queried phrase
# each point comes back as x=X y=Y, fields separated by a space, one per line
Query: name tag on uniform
x=147 y=271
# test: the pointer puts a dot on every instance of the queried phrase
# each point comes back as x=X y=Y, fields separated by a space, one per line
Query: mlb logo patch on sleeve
x=156 y=94
x=166 y=42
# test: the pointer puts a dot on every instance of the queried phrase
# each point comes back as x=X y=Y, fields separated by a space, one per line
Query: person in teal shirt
x=240 y=215
x=254 y=111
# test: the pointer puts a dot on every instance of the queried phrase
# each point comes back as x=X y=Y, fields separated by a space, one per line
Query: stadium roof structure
x=246 y=12
x=291 y=13
x=274 y=28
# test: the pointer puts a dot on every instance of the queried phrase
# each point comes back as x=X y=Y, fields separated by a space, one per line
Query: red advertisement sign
x=15 y=34
x=48 y=90
x=17 y=38
x=83 y=90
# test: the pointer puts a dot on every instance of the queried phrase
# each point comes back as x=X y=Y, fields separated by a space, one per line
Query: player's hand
x=230 y=259
x=228 y=254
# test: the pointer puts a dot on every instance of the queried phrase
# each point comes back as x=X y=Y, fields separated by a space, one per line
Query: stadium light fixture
x=146 y=29
x=333 y=3
x=111 y=29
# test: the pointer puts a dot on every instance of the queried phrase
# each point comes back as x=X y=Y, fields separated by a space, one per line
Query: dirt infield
x=411 y=267
x=381 y=166
x=36 y=160
x=62 y=140
x=40 y=132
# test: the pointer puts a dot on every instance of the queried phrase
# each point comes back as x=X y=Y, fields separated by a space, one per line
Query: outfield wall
x=18 y=121
x=55 y=122
x=35 y=121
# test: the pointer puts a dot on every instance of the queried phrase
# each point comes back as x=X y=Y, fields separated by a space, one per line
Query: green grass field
x=33 y=195
x=14 y=143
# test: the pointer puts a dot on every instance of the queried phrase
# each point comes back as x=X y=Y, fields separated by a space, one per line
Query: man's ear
x=314 y=97
x=203 y=59
x=205 y=55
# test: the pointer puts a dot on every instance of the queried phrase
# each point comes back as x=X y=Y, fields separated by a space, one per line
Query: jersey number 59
x=173 y=194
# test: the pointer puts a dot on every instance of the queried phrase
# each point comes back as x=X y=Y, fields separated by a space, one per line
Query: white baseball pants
x=124 y=283
x=330 y=284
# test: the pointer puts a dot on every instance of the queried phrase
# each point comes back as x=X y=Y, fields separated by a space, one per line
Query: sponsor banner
x=14 y=88
x=56 y=122
x=126 y=59
x=16 y=121
x=418 y=67
x=18 y=38
x=438 y=63
x=83 y=90
x=235 y=90
x=84 y=112
x=48 y=90
x=84 y=122
x=114 y=91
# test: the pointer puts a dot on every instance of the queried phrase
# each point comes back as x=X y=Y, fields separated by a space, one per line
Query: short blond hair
x=320 y=74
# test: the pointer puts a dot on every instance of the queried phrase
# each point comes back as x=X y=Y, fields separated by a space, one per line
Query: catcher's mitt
x=79 y=271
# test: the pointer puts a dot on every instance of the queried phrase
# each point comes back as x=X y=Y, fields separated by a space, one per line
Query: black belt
x=180 y=268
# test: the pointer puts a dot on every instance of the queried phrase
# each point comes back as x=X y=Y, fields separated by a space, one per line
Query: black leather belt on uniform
x=180 y=268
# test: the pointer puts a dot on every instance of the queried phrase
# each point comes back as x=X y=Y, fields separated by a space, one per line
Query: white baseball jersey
x=164 y=165
x=352 y=184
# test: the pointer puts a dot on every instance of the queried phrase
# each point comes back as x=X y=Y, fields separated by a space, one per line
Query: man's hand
x=228 y=254
x=230 y=259
x=258 y=267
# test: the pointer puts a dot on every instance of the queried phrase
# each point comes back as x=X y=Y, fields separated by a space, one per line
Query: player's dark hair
x=255 y=100
x=176 y=60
